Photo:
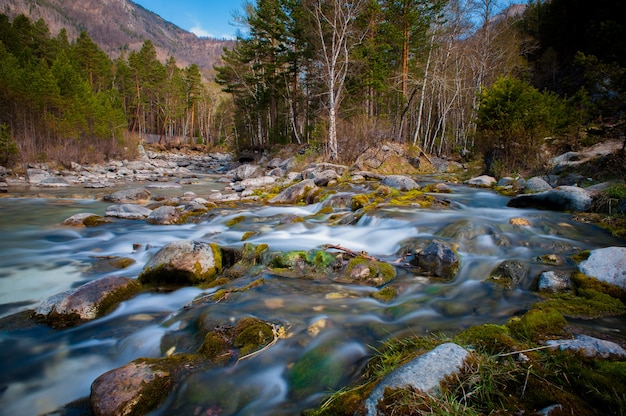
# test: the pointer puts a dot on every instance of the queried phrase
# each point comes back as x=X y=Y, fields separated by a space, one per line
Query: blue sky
x=212 y=18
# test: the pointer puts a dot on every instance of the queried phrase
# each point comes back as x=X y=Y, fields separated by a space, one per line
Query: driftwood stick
x=350 y=252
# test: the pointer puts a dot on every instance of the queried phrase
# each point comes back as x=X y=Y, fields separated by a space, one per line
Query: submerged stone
x=510 y=273
x=439 y=259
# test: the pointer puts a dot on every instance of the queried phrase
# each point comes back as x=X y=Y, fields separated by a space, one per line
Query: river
x=339 y=325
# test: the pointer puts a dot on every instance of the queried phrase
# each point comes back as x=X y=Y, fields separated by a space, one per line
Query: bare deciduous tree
x=335 y=31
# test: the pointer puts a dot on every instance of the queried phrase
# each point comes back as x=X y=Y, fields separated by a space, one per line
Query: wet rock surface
x=424 y=373
x=87 y=302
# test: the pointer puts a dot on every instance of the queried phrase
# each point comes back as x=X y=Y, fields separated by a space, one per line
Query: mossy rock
x=252 y=334
x=182 y=263
x=307 y=264
x=245 y=261
x=386 y=294
x=591 y=298
x=215 y=347
x=537 y=325
x=361 y=270
x=247 y=336
x=359 y=201
x=510 y=273
x=490 y=338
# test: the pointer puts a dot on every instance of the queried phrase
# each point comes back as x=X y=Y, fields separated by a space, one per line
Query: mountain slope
x=120 y=26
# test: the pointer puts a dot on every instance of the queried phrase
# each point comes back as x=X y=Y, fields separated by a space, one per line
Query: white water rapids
x=44 y=369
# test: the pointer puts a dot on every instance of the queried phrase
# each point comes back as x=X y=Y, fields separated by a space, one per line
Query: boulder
x=322 y=178
x=400 y=182
x=247 y=171
x=135 y=388
x=535 y=185
x=590 y=347
x=483 y=181
x=509 y=182
x=252 y=183
x=34 y=176
x=183 y=262
x=367 y=271
x=164 y=215
x=439 y=259
x=87 y=302
x=53 y=182
x=510 y=273
x=294 y=193
x=127 y=211
x=84 y=219
x=554 y=282
x=562 y=198
x=274 y=163
x=128 y=196
x=424 y=373
x=607 y=265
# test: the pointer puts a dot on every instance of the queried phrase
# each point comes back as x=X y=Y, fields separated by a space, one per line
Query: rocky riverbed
x=367 y=256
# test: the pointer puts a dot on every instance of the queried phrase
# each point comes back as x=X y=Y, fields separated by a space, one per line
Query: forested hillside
x=120 y=26
x=471 y=78
x=67 y=101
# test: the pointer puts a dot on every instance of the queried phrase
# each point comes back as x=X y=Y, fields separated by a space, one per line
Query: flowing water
x=332 y=326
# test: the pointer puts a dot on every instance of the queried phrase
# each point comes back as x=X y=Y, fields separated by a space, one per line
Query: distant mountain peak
x=121 y=26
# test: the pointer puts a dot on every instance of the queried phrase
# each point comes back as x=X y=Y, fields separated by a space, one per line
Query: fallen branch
x=523 y=351
x=350 y=252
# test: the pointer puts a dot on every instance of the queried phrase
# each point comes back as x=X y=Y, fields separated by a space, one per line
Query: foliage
x=513 y=120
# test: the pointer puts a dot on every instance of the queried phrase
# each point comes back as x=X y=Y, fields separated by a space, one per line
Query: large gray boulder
x=562 y=198
x=252 y=183
x=294 y=192
x=164 y=215
x=183 y=262
x=53 y=182
x=607 y=265
x=321 y=177
x=400 y=182
x=87 y=302
x=535 y=185
x=133 y=389
x=34 y=175
x=439 y=259
x=247 y=171
x=128 y=196
x=484 y=181
x=127 y=211
x=424 y=373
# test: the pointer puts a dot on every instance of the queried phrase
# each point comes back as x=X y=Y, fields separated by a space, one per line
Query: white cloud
x=200 y=32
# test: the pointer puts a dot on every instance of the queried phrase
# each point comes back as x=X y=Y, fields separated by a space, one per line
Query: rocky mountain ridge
x=121 y=26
